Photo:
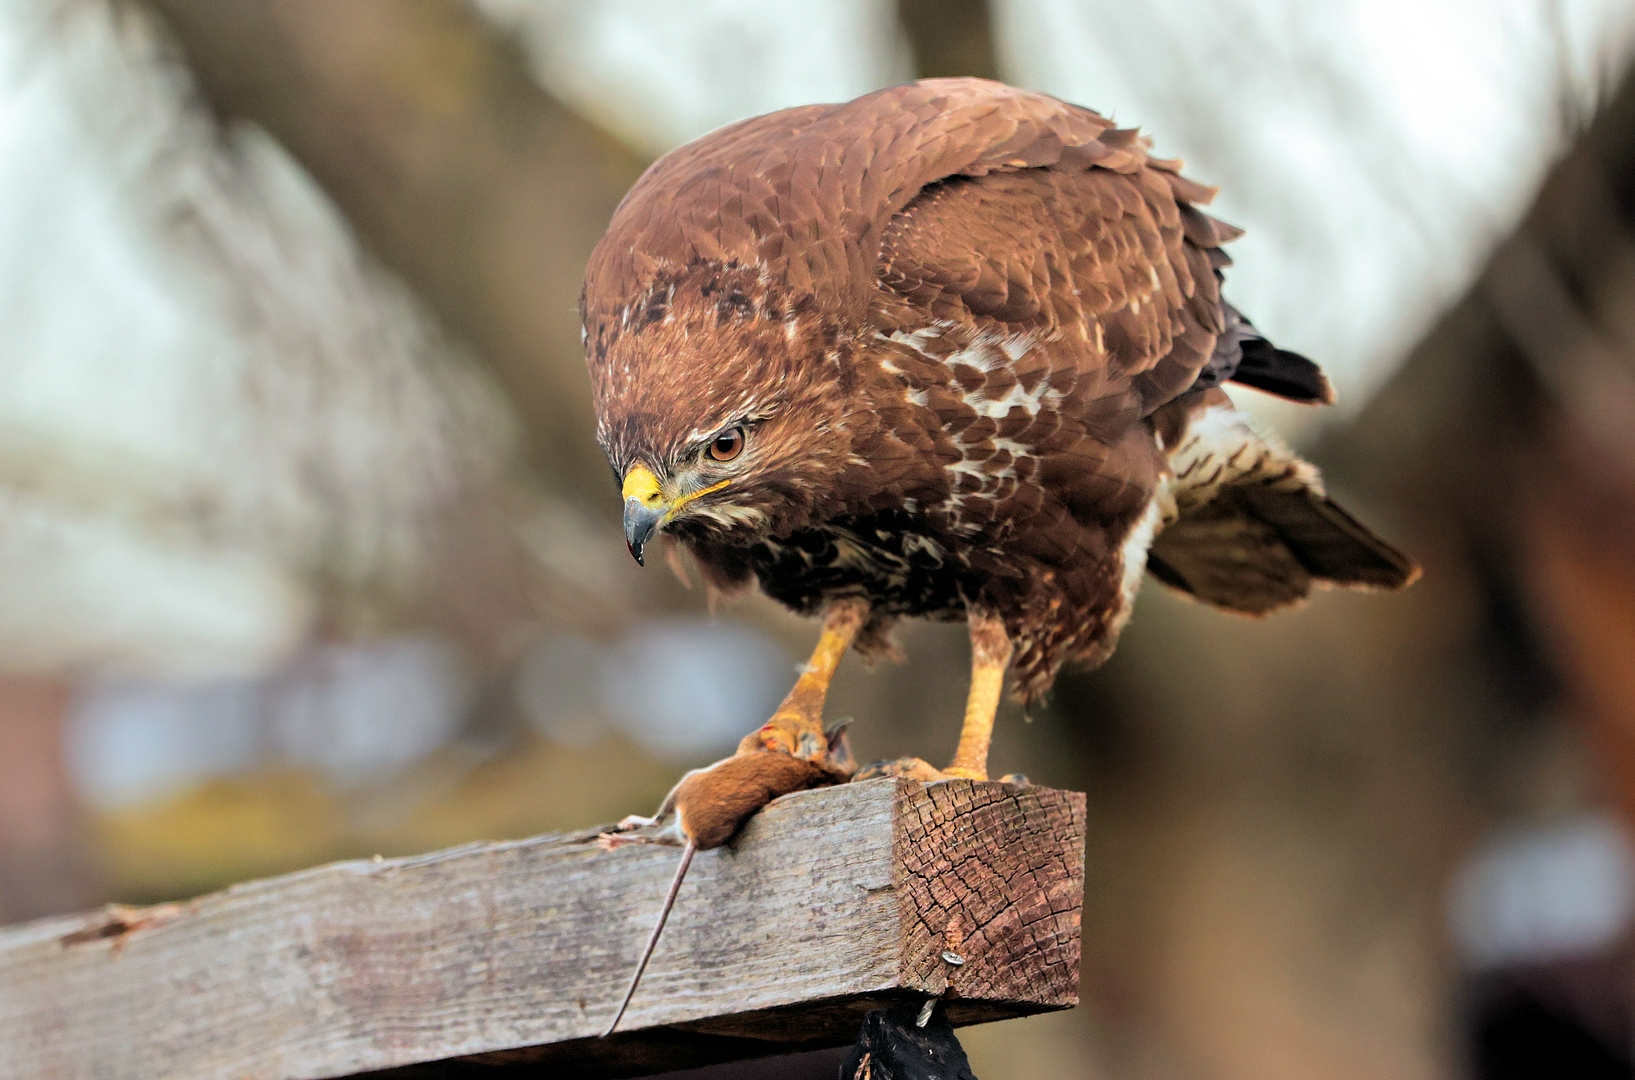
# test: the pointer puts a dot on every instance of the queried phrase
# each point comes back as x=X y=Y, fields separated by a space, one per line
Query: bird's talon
x=789 y=733
x=908 y=768
x=913 y=768
x=610 y=841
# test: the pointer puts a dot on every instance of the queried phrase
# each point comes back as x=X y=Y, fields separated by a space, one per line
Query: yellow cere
x=640 y=484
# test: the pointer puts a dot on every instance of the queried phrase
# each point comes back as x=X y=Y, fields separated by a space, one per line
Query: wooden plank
x=832 y=902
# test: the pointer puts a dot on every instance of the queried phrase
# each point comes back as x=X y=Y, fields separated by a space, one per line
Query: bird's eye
x=728 y=445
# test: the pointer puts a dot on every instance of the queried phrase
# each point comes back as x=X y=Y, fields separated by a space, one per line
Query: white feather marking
x=1133 y=553
x=1017 y=346
x=979 y=354
x=1015 y=398
x=914 y=542
x=729 y=514
x=989 y=352
x=917 y=339
x=1016 y=449
x=1221 y=447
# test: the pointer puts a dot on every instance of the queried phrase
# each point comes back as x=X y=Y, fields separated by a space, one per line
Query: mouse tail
x=687 y=854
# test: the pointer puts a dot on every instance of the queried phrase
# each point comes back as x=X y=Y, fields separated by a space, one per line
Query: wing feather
x=1253 y=529
x=1098 y=263
x=832 y=177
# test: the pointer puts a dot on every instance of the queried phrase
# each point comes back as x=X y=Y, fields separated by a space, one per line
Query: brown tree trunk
x=45 y=867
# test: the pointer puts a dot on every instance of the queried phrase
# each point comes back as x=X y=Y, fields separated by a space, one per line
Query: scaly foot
x=797 y=727
x=913 y=768
x=792 y=730
x=788 y=753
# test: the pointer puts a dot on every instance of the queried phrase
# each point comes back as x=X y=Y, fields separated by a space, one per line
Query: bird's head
x=722 y=409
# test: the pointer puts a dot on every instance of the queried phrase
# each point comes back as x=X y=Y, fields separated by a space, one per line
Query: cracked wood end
x=832 y=903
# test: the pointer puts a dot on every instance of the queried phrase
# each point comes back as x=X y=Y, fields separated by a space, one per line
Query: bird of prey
x=951 y=350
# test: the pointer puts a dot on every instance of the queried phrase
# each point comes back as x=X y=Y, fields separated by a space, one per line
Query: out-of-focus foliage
x=219 y=425
x=657 y=74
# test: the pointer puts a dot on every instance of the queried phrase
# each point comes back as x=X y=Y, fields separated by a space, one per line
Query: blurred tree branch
x=453 y=166
x=1509 y=436
x=1509 y=432
x=949 y=37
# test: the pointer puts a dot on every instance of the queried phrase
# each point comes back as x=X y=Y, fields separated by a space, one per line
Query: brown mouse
x=709 y=805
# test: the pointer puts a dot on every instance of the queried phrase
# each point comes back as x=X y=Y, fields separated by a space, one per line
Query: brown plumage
x=954 y=349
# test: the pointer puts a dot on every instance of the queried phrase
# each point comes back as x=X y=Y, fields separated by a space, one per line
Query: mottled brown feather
x=960 y=322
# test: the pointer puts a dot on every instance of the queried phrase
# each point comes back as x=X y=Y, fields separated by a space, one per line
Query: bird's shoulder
x=967 y=199
x=1110 y=274
x=804 y=194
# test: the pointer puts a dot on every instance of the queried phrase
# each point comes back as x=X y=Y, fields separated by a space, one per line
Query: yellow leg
x=990 y=655
x=797 y=726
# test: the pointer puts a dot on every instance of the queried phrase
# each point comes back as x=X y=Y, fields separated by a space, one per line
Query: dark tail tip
x=1286 y=374
x=1332 y=544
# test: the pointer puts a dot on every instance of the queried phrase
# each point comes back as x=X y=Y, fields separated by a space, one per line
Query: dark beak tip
x=640 y=523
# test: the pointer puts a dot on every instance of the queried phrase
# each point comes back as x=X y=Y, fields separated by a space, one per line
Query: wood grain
x=832 y=903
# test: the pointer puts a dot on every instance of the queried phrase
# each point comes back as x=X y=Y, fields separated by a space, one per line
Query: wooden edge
x=821 y=1025
x=991 y=880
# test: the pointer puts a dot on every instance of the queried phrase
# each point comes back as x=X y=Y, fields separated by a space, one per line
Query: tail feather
x=1228 y=558
x=1253 y=530
x=1329 y=542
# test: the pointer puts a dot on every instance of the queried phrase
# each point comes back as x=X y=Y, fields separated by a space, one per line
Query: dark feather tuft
x=1243 y=356
x=1277 y=371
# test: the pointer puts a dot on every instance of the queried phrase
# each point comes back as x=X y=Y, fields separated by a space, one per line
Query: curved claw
x=613 y=841
x=908 y=768
x=789 y=733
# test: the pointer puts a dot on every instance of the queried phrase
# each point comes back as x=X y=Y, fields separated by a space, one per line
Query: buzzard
x=952 y=350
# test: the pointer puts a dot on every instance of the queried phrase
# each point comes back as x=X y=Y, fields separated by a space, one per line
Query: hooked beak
x=645 y=509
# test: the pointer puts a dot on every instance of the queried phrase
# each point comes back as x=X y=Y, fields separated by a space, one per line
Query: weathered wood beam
x=832 y=903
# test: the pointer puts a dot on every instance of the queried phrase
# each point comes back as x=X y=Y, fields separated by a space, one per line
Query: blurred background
x=307 y=552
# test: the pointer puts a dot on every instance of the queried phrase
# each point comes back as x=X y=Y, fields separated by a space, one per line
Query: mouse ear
x=840 y=747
